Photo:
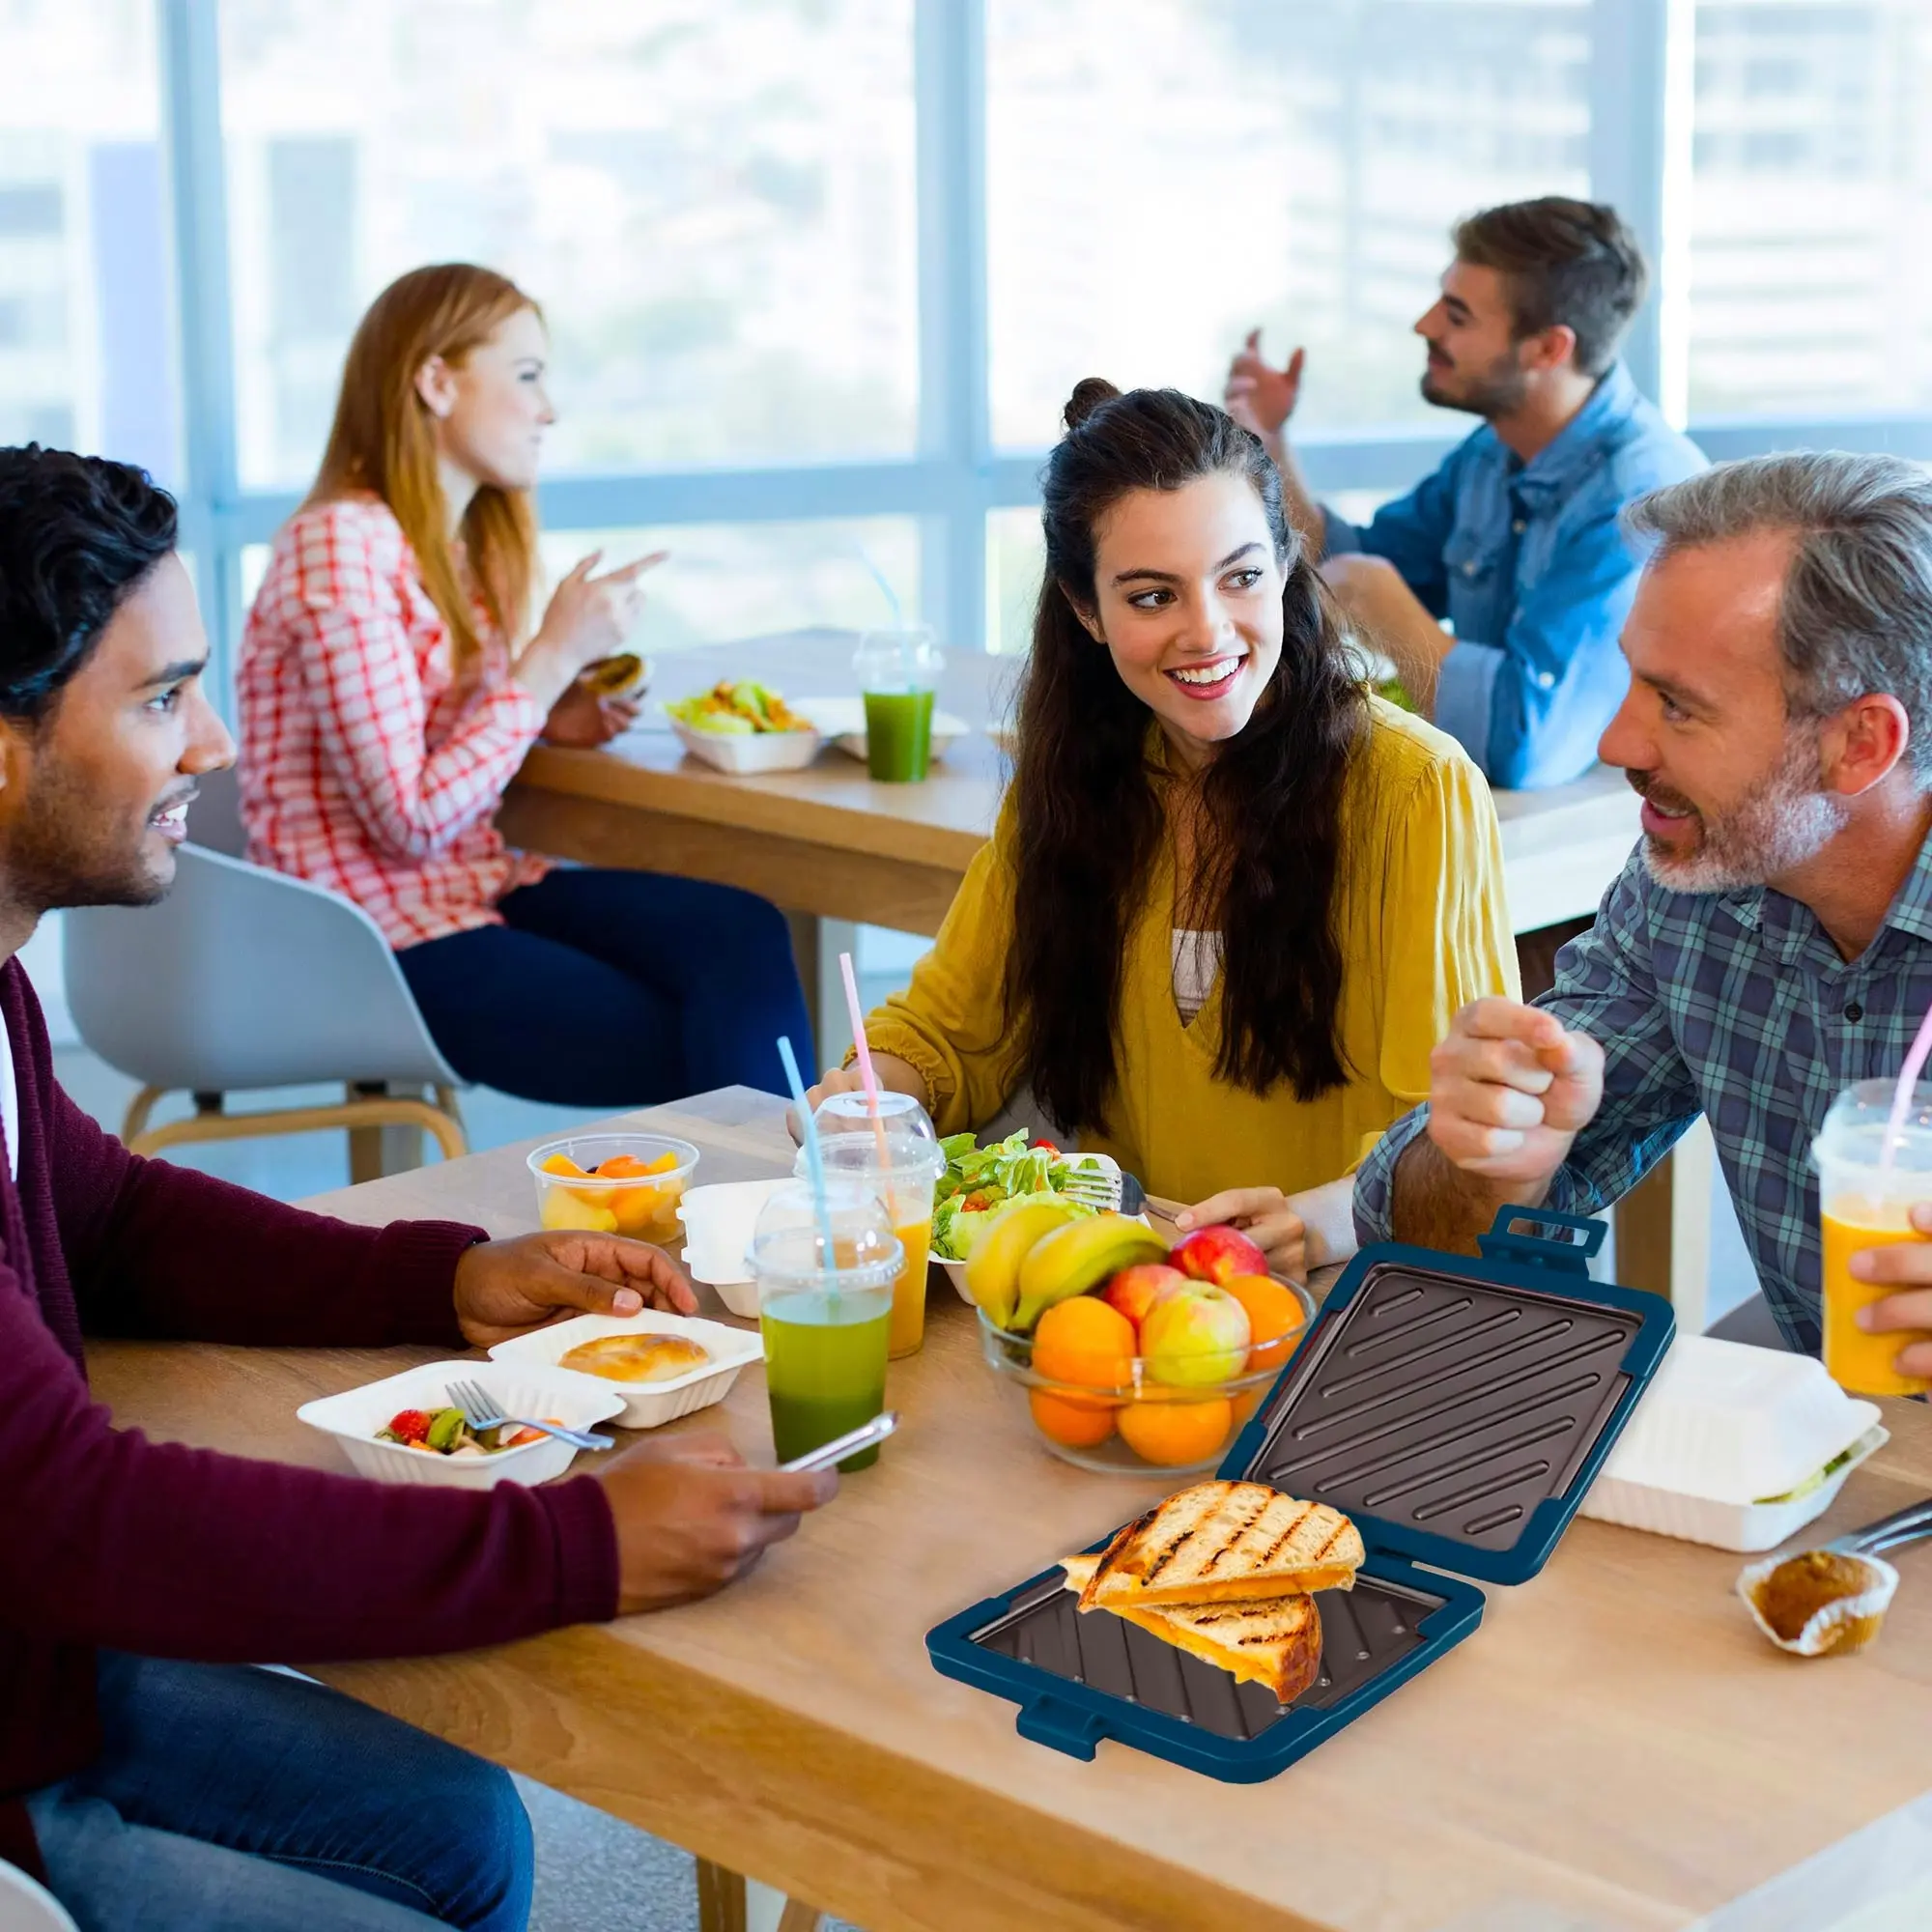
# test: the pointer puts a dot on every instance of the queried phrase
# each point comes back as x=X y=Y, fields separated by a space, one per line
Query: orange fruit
x=1173 y=1432
x=1068 y=1420
x=561 y=1163
x=1274 y=1319
x=1086 y=1342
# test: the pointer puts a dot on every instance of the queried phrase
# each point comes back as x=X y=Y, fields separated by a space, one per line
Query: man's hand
x=508 y=1287
x=1263 y=1215
x=1908 y=1267
x=1387 y=614
x=1508 y=1091
x=581 y=720
x=691 y=1517
x=1257 y=396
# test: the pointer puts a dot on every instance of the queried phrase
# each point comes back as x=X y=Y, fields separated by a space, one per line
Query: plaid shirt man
x=1733 y=1004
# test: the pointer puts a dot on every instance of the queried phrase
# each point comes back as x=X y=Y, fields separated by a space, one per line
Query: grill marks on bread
x=1227 y=1541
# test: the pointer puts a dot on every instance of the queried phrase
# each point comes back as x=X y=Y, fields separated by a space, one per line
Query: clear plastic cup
x=1863 y=1204
x=899 y=672
x=824 y=1317
x=901 y=1164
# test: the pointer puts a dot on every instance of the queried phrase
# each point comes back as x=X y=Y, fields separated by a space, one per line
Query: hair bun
x=1088 y=395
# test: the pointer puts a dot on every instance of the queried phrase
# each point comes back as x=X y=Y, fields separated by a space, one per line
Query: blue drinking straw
x=813 y=1165
x=879 y=578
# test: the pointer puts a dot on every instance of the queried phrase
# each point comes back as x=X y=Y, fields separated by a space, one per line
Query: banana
x=993 y=1267
x=1076 y=1258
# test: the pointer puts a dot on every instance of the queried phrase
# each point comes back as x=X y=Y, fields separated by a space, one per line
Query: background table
x=1615 y=1748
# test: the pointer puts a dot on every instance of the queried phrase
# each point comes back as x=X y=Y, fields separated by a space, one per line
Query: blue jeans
x=616 y=989
x=234 y=1799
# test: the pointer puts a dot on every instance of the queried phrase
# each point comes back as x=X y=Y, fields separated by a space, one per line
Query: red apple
x=1217 y=1254
x=1196 y=1336
x=1135 y=1290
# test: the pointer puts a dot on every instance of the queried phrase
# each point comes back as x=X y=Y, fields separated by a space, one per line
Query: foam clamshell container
x=1457 y=1409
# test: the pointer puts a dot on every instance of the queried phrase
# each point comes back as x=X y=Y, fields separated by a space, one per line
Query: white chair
x=27 y=1907
x=243 y=979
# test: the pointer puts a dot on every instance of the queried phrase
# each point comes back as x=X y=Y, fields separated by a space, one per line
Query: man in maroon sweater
x=152 y=1776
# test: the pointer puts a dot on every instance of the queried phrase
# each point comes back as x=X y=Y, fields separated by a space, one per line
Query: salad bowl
x=979 y=1180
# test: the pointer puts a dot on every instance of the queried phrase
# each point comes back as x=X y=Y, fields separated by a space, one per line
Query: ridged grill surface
x=1447 y=1405
x=1363 y=1631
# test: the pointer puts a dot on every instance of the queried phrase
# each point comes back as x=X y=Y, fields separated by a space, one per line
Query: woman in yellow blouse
x=1233 y=899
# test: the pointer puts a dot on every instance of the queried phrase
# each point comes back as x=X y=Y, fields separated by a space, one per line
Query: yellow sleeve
x=950 y=1023
x=1446 y=937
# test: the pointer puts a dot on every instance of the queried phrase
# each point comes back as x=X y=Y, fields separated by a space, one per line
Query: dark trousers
x=616 y=989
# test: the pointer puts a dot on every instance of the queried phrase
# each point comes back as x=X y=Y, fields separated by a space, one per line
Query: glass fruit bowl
x=1125 y=1414
x=614 y=1184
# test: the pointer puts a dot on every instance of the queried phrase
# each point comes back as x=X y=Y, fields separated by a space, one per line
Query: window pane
x=85 y=315
x=1811 y=208
x=714 y=203
x=727 y=581
x=1163 y=178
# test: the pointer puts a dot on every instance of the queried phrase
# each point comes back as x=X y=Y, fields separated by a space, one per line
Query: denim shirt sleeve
x=1604 y=987
x=1411 y=532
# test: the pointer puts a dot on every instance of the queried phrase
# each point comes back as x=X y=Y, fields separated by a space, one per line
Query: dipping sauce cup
x=1864 y=1205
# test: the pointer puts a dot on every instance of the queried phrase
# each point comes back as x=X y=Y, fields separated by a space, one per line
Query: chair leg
x=365 y=1144
x=721 y=1899
x=799 y=1916
x=139 y=1111
x=369 y=1115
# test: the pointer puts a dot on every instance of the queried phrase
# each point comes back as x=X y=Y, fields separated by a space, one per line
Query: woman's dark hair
x=77 y=534
x=1090 y=803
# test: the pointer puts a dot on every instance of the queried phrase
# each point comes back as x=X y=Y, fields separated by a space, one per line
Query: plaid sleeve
x=1606 y=987
x=359 y=673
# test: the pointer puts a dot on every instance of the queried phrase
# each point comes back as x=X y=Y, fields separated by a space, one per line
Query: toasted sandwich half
x=1277 y=1643
x=1226 y=1542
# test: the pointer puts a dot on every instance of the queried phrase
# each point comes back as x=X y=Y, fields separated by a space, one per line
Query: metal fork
x=480 y=1413
x=1911 y=1524
x=1108 y=1189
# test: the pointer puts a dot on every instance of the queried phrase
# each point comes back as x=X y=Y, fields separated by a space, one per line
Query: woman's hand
x=895 y=1076
x=1263 y=1215
x=589 y=617
x=582 y=721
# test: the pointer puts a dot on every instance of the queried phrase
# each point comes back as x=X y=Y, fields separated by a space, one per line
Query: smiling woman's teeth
x=1216 y=673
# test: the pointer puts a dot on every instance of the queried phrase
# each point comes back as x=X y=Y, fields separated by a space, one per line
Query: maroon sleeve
x=116 y=1541
x=157 y=1250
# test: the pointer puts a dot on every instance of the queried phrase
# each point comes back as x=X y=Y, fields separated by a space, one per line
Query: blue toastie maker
x=1456 y=1409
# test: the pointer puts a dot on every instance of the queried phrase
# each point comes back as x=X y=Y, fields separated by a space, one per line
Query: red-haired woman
x=389 y=692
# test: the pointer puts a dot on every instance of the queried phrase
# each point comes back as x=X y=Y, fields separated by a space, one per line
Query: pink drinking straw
x=1901 y=1101
x=870 y=1078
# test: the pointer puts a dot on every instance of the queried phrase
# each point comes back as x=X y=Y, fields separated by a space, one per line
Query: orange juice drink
x=898 y=1158
x=1866 y=1201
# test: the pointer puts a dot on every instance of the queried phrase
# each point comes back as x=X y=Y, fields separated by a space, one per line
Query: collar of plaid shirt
x=1738 y=1006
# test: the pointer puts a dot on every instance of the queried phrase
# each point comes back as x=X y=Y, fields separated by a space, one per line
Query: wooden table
x=1615 y=1748
x=829 y=842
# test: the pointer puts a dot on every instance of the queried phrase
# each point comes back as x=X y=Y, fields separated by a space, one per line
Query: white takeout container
x=719 y=1220
x=354 y=1417
x=642 y=1405
x=744 y=752
x=843 y=721
x=955 y=1271
x=1723 y=1430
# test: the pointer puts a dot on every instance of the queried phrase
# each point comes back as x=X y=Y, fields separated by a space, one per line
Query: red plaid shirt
x=367 y=767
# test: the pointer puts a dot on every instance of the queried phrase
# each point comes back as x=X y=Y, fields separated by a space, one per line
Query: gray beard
x=1781 y=823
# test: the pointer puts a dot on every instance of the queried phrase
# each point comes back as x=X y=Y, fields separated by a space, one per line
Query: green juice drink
x=825 y=1310
x=825 y=1367
x=899 y=734
x=898 y=671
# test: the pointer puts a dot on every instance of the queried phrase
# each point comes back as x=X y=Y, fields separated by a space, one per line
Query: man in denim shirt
x=1771 y=942
x=1515 y=539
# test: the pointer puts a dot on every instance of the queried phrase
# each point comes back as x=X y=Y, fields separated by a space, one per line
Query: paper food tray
x=645 y=1404
x=1456 y=1409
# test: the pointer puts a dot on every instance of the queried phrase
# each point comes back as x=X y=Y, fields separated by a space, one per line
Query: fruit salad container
x=1118 y=1414
x=614 y=1184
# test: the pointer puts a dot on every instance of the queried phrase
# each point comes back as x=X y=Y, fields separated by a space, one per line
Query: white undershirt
x=10 y=1104
x=1197 y=959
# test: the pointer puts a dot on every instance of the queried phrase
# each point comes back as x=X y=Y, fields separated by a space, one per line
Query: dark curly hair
x=1092 y=813
x=77 y=535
